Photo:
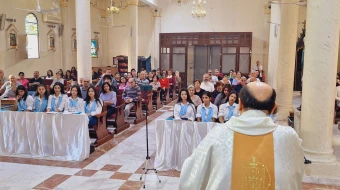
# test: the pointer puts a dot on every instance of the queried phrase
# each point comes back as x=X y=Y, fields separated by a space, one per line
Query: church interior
x=292 y=45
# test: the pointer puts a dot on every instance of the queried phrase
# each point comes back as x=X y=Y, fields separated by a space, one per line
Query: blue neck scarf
x=183 y=109
x=53 y=108
x=43 y=106
x=209 y=116
x=22 y=106
x=93 y=108
x=231 y=112
x=73 y=103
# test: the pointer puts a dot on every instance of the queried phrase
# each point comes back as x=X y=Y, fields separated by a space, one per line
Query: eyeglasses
x=86 y=81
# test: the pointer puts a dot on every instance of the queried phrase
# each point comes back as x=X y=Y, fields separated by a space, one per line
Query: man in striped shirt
x=130 y=95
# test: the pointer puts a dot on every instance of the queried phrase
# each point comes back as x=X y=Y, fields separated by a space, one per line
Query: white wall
x=222 y=16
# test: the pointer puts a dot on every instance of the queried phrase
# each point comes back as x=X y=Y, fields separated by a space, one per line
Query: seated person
x=23 y=102
x=155 y=86
x=164 y=82
x=219 y=87
x=108 y=79
x=229 y=109
x=206 y=112
x=185 y=108
x=41 y=99
x=57 y=79
x=93 y=106
x=86 y=85
x=130 y=95
x=23 y=81
x=68 y=76
x=9 y=88
x=222 y=97
x=194 y=98
x=242 y=83
x=3 y=79
x=49 y=74
x=57 y=98
x=142 y=80
x=123 y=83
x=113 y=81
x=34 y=83
x=109 y=98
x=198 y=90
x=74 y=103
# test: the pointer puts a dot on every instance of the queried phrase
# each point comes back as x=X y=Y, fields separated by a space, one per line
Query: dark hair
x=107 y=77
x=21 y=87
x=68 y=71
x=62 y=91
x=233 y=92
x=103 y=91
x=197 y=80
x=78 y=91
x=223 y=96
x=124 y=78
x=88 y=98
x=51 y=73
x=207 y=93
x=45 y=94
x=250 y=102
x=188 y=96
x=73 y=69
x=154 y=77
x=21 y=73
x=218 y=83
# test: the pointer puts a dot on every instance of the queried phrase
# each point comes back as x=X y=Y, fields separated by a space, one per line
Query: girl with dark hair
x=117 y=78
x=49 y=74
x=109 y=98
x=40 y=99
x=57 y=98
x=74 y=73
x=23 y=102
x=230 y=108
x=150 y=77
x=221 y=98
x=155 y=86
x=22 y=80
x=93 y=106
x=185 y=108
x=134 y=74
x=57 y=79
x=198 y=90
x=74 y=103
x=123 y=83
x=61 y=73
x=206 y=112
x=68 y=76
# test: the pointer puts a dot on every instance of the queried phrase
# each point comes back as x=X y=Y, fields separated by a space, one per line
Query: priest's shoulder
x=285 y=130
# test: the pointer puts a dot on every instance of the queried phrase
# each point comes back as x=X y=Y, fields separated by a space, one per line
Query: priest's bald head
x=257 y=96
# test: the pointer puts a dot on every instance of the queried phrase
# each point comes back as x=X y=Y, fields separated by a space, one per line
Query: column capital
x=132 y=2
x=157 y=12
x=63 y=3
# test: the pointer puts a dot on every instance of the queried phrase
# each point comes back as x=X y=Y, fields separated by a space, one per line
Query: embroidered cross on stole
x=253 y=162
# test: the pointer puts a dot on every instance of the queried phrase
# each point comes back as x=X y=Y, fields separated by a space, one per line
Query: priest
x=249 y=152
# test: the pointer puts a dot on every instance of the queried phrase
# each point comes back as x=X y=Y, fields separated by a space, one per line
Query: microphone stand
x=148 y=165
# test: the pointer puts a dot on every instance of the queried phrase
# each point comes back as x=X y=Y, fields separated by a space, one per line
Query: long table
x=176 y=141
x=42 y=135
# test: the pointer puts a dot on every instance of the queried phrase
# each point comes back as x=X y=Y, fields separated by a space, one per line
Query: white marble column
x=274 y=42
x=83 y=25
x=133 y=36
x=320 y=66
x=157 y=29
x=65 y=37
x=286 y=58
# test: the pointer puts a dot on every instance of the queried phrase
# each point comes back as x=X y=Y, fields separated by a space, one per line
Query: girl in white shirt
x=58 y=79
x=57 y=98
x=206 y=112
x=229 y=109
x=23 y=102
x=93 y=106
x=40 y=99
x=74 y=103
x=185 y=108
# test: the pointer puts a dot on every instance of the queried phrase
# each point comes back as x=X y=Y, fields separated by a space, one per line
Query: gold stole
x=253 y=162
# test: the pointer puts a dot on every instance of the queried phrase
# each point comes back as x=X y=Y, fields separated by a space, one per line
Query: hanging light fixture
x=198 y=11
x=112 y=9
x=179 y=3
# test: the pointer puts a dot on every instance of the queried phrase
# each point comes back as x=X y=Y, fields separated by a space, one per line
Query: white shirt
x=99 y=107
x=337 y=95
x=61 y=80
x=40 y=102
x=214 y=79
x=257 y=68
x=210 y=165
x=224 y=111
x=199 y=110
x=190 y=114
x=80 y=105
x=207 y=86
x=49 y=104
x=257 y=79
x=29 y=103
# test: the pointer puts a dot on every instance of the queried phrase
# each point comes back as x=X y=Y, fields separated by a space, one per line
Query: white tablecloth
x=176 y=141
x=39 y=135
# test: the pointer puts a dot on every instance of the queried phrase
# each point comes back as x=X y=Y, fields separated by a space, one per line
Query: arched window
x=32 y=42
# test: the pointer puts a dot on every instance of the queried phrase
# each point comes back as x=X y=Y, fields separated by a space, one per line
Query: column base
x=319 y=157
x=321 y=173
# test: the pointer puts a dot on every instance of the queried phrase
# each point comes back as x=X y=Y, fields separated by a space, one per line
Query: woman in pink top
x=123 y=83
x=22 y=80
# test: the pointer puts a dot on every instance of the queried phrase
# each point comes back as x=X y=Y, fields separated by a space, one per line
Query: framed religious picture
x=94 y=48
x=51 y=36
x=12 y=37
x=74 y=42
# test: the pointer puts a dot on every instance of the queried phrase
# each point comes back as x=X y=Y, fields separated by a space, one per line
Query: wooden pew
x=157 y=101
x=99 y=131
x=148 y=102
x=8 y=104
x=117 y=119
x=167 y=96
x=172 y=92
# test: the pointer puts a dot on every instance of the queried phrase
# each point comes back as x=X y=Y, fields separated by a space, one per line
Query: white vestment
x=210 y=165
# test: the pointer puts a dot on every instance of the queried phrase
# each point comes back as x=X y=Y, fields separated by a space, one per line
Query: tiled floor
x=115 y=165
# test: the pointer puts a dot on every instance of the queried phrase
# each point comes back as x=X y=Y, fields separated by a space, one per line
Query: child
x=74 y=103
x=57 y=98
x=185 y=108
x=93 y=106
x=23 y=102
x=230 y=108
x=206 y=112
x=40 y=99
